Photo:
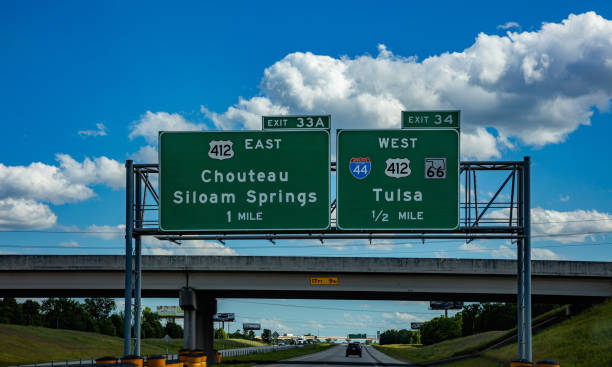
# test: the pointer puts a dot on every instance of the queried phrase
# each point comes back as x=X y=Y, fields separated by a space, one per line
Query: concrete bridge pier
x=187 y=301
x=205 y=331
x=199 y=332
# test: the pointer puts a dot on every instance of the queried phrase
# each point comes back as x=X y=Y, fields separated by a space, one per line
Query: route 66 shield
x=360 y=167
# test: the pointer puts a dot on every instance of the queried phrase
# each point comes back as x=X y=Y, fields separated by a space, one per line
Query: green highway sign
x=430 y=119
x=357 y=336
x=296 y=122
x=244 y=180
x=397 y=179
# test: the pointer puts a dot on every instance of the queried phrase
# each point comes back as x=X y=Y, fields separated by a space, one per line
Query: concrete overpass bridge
x=199 y=280
x=290 y=277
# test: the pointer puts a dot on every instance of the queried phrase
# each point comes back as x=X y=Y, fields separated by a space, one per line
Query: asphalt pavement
x=335 y=356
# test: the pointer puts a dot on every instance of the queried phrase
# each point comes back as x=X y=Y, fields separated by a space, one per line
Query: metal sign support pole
x=527 y=254
x=138 y=268
x=520 y=305
x=129 y=202
x=137 y=298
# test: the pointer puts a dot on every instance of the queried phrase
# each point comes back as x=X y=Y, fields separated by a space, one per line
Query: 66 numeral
x=435 y=172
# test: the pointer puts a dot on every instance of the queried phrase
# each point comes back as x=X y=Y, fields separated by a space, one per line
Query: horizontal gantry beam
x=289 y=277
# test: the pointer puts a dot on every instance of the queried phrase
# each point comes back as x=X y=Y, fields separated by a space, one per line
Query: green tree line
x=95 y=315
x=220 y=333
x=402 y=336
x=474 y=318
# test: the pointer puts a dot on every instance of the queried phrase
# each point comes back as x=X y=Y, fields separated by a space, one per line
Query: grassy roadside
x=26 y=344
x=434 y=352
x=583 y=340
x=254 y=359
x=459 y=346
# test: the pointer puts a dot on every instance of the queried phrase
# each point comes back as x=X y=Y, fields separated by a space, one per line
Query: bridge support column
x=205 y=332
x=187 y=301
x=189 y=334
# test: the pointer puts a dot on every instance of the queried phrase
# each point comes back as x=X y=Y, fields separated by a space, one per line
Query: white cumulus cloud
x=146 y=154
x=100 y=132
x=504 y=252
x=563 y=226
x=100 y=170
x=25 y=214
x=106 y=232
x=479 y=145
x=39 y=181
x=508 y=25
x=544 y=254
x=509 y=251
x=70 y=243
x=68 y=182
x=151 y=123
x=196 y=247
x=401 y=316
x=25 y=189
x=536 y=87
x=473 y=247
x=546 y=222
x=246 y=113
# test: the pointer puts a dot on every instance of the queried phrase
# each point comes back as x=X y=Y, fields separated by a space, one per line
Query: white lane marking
x=376 y=361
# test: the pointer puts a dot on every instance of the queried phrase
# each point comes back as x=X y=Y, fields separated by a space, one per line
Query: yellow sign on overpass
x=323 y=280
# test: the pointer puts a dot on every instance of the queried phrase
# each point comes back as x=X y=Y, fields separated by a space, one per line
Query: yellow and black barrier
x=195 y=360
x=137 y=360
x=107 y=360
x=548 y=363
x=521 y=363
x=156 y=361
x=174 y=363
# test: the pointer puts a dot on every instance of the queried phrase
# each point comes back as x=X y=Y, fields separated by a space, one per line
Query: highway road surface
x=335 y=356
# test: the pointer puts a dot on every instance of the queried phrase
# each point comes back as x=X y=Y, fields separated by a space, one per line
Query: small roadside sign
x=251 y=326
x=296 y=122
x=275 y=335
x=323 y=280
x=224 y=317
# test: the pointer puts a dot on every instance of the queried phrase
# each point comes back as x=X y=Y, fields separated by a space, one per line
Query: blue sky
x=86 y=86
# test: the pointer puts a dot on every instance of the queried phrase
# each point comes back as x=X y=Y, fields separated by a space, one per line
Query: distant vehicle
x=281 y=343
x=353 y=348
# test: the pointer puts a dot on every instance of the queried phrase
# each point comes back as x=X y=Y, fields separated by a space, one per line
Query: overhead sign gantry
x=275 y=184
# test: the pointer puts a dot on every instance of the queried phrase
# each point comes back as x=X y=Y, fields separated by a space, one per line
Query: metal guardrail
x=254 y=350
x=224 y=353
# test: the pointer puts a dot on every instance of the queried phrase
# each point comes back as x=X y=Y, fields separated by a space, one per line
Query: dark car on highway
x=353 y=349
